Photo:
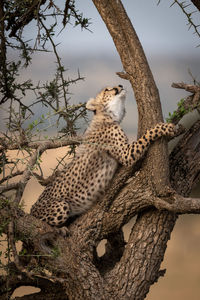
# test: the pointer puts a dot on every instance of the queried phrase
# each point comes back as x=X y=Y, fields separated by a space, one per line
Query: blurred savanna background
x=173 y=55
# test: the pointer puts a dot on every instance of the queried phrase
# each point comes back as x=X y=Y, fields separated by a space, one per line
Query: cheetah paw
x=171 y=130
x=63 y=231
x=177 y=130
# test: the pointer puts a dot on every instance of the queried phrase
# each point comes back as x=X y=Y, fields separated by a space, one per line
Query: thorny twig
x=28 y=172
x=183 y=5
x=60 y=67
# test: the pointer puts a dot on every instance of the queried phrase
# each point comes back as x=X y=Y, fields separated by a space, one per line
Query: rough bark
x=196 y=3
x=185 y=171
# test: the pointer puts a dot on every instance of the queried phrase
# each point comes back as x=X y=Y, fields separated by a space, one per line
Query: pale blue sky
x=159 y=27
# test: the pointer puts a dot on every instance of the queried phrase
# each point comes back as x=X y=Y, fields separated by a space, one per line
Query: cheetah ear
x=91 y=105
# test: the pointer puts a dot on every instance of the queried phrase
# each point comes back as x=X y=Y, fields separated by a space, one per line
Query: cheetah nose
x=121 y=86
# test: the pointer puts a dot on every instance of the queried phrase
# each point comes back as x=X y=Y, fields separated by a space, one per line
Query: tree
x=70 y=268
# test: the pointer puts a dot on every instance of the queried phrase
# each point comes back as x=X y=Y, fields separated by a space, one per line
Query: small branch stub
x=123 y=75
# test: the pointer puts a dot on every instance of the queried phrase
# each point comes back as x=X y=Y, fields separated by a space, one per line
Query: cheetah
x=83 y=181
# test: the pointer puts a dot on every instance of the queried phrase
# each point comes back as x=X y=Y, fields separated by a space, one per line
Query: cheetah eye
x=106 y=90
x=116 y=91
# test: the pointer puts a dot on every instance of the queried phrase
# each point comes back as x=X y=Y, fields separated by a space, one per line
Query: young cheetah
x=105 y=145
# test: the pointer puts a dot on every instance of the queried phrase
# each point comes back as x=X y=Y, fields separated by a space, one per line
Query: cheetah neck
x=99 y=121
x=116 y=108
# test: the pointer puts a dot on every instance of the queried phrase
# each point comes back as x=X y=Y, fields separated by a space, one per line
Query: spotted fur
x=82 y=182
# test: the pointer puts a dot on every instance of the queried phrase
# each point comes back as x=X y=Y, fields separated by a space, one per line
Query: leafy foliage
x=179 y=113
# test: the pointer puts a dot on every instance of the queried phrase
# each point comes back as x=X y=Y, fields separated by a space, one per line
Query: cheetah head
x=110 y=101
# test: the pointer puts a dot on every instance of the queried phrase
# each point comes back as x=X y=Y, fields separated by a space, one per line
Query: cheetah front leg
x=128 y=154
x=138 y=148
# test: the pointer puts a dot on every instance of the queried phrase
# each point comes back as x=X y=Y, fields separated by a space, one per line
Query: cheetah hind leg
x=56 y=215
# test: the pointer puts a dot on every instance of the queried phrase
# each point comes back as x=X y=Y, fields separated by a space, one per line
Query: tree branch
x=28 y=172
x=185 y=161
x=196 y=3
x=49 y=288
x=71 y=260
x=18 y=20
x=143 y=255
x=188 y=14
x=180 y=205
x=188 y=87
x=50 y=144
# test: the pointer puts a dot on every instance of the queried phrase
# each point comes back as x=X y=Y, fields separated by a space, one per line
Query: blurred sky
x=169 y=46
x=160 y=28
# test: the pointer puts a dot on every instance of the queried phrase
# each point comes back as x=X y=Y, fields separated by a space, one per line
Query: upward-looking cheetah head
x=111 y=101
